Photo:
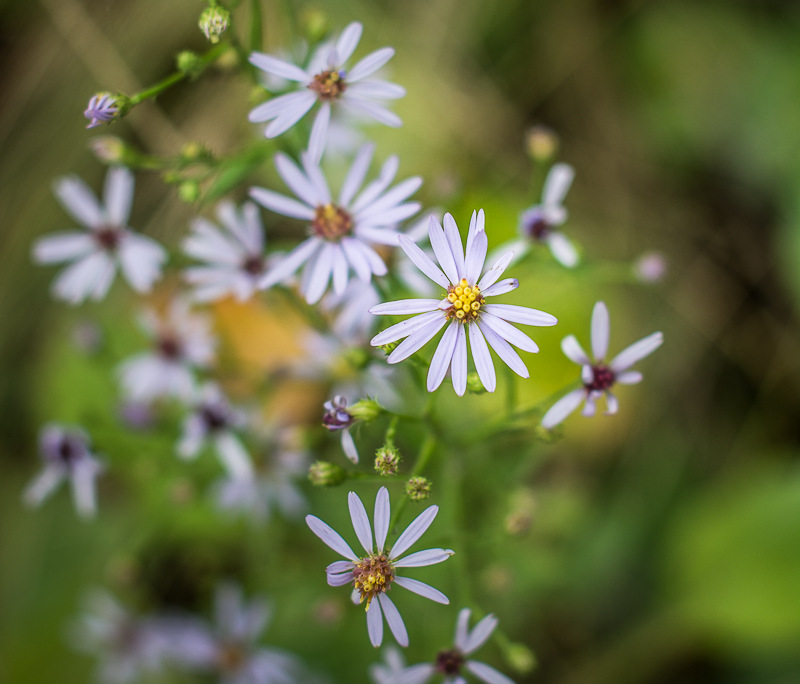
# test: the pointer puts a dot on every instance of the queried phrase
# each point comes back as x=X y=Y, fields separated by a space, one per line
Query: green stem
x=425 y=453
x=388 y=438
x=256 y=33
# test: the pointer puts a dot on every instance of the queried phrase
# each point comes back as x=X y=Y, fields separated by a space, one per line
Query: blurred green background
x=661 y=546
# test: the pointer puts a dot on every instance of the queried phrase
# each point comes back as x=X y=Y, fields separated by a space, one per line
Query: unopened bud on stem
x=418 y=488
x=324 y=474
x=387 y=459
x=213 y=22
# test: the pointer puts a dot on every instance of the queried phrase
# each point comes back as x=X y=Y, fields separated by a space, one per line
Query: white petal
x=505 y=352
x=84 y=278
x=476 y=257
x=356 y=174
x=423 y=558
x=382 y=516
x=349 y=446
x=340 y=270
x=340 y=579
x=637 y=351
x=356 y=259
x=612 y=405
x=600 y=331
x=422 y=589
x=370 y=64
x=297 y=181
x=79 y=201
x=379 y=90
x=141 y=259
x=562 y=249
x=371 y=109
x=330 y=537
x=358 y=514
x=454 y=241
x=84 y=495
x=462 y=628
x=573 y=351
x=442 y=356
x=317 y=178
x=422 y=262
x=458 y=366
x=118 y=195
x=590 y=407
x=338 y=567
x=414 y=531
x=520 y=314
x=480 y=633
x=441 y=249
x=58 y=247
x=401 y=307
x=394 y=620
x=348 y=41
x=43 y=485
x=376 y=211
x=375 y=623
x=557 y=184
x=291 y=114
x=403 y=329
x=381 y=236
x=388 y=217
x=501 y=287
x=376 y=187
x=290 y=263
x=417 y=340
x=372 y=258
x=278 y=67
x=629 y=378
x=277 y=105
x=509 y=333
x=234 y=456
x=416 y=674
x=281 y=204
x=482 y=358
x=486 y=673
x=587 y=374
x=562 y=408
x=493 y=274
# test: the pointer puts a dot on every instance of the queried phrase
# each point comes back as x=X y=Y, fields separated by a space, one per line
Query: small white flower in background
x=108 y=243
x=650 y=267
x=103 y=108
x=66 y=456
x=340 y=232
x=213 y=418
x=598 y=377
x=463 y=307
x=234 y=257
x=338 y=418
x=392 y=665
x=352 y=322
x=326 y=80
x=373 y=575
x=230 y=648
x=452 y=663
x=540 y=223
x=182 y=342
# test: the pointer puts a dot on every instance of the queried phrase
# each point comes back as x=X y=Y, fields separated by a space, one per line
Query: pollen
x=466 y=301
x=329 y=85
x=331 y=222
x=373 y=575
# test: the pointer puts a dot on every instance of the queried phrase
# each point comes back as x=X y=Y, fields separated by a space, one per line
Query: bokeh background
x=661 y=546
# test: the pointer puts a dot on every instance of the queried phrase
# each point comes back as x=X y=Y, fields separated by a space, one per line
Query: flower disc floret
x=331 y=222
x=329 y=85
x=466 y=302
x=373 y=575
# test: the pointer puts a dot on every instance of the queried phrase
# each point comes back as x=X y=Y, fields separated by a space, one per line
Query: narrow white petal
x=600 y=331
x=394 y=620
x=370 y=64
x=414 y=531
x=587 y=374
x=297 y=181
x=456 y=246
x=557 y=184
x=281 y=204
x=442 y=356
x=233 y=456
x=480 y=633
x=562 y=249
x=376 y=187
x=403 y=329
x=356 y=259
x=356 y=174
x=277 y=105
x=487 y=673
x=52 y=249
x=590 y=407
x=84 y=495
x=562 y=408
x=482 y=358
x=416 y=674
x=505 y=352
x=388 y=217
x=118 y=195
x=423 y=558
x=422 y=262
x=278 y=67
x=501 y=287
x=340 y=579
x=79 y=281
x=349 y=446
x=509 y=333
x=637 y=351
x=371 y=109
x=462 y=629
x=358 y=514
x=79 y=201
x=317 y=178
x=441 y=249
x=293 y=112
x=422 y=589
x=340 y=270
x=379 y=90
x=321 y=274
x=476 y=257
x=348 y=41
x=520 y=314
x=629 y=378
x=573 y=351
x=339 y=566
x=330 y=537
x=401 y=307
x=417 y=340
x=375 y=623
x=493 y=274
x=375 y=211
x=382 y=516
x=612 y=405
x=141 y=259
x=290 y=263
x=458 y=366
x=43 y=485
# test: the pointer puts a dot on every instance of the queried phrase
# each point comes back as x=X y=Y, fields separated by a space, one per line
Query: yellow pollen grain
x=459 y=314
x=451 y=297
x=459 y=290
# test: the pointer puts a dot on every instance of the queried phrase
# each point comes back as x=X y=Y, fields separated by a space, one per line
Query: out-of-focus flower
x=352 y=321
x=326 y=80
x=234 y=257
x=104 y=108
x=541 y=143
x=96 y=253
x=182 y=342
x=373 y=575
x=650 y=267
x=463 y=307
x=452 y=663
x=324 y=474
x=66 y=455
x=213 y=22
x=338 y=419
x=599 y=377
x=342 y=231
x=213 y=418
x=392 y=665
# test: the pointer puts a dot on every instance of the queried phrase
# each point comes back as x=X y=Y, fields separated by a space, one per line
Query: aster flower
x=540 y=223
x=352 y=321
x=66 y=456
x=103 y=108
x=451 y=663
x=213 y=419
x=599 y=377
x=392 y=665
x=182 y=342
x=340 y=232
x=338 y=419
x=373 y=575
x=96 y=253
x=463 y=307
x=327 y=81
x=234 y=257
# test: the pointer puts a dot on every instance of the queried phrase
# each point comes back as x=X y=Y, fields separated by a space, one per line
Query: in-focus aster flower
x=340 y=233
x=182 y=342
x=326 y=81
x=234 y=257
x=213 y=418
x=103 y=108
x=66 y=455
x=599 y=377
x=452 y=663
x=374 y=574
x=540 y=223
x=463 y=307
x=108 y=243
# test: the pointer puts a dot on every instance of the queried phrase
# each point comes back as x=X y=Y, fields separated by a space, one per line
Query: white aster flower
x=234 y=257
x=213 y=418
x=326 y=80
x=352 y=322
x=108 y=242
x=463 y=307
x=451 y=663
x=66 y=455
x=373 y=575
x=340 y=232
x=392 y=665
x=182 y=342
x=540 y=223
x=599 y=377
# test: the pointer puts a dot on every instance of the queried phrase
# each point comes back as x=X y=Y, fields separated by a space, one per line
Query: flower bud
x=315 y=24
x=387 y=459
x=520 y=657
x=418 y=488
x=324 y=474
x=189 y=191
x=366 y=410
x=192 y=151
x=337 y=417
x=474 y=384
x=105 y=108
x=189 y=63
x=650 y=267
x=108 y=149
x=213 y=22
x=541 y=143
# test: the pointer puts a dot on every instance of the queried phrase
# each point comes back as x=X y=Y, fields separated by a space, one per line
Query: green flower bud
x=324 y=474
x=474 y=384
x=189 y=62
x=189 y=191
x=108 y=149
x=520 y=657
x=192 y=151
x=365 y=410
x=541 y=143
x=315 y=24
x=387 y=459
x=213 y=22
x=418 y=488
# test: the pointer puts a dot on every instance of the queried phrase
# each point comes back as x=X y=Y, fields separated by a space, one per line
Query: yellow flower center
x=331 y=222
x=328 y=85
x=373 y=575
x=466 y=301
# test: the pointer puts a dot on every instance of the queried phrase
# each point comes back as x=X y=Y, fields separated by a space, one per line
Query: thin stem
x=388 y=438
x=256 y=32
x=425 y=453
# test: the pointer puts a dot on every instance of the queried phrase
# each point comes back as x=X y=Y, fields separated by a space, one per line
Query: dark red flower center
x=108 y=238
x=603 y=378
x=329 y=85
x=449 y=662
